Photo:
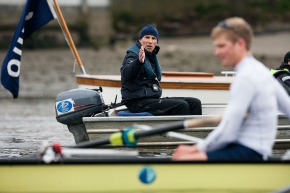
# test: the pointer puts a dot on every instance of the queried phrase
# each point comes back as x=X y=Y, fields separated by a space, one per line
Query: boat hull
x=125 y=175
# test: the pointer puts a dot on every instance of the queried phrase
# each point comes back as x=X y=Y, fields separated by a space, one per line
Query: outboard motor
x=71 y=106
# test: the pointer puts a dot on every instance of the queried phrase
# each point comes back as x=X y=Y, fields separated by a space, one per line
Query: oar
x=53 y=153
x=130 y=136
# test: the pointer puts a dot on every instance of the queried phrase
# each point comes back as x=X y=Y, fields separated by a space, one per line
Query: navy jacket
x=135 y=81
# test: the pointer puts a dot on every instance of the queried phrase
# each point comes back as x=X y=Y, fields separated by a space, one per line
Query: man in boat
x=248 y=128
x=282 y=73
x=140 y=76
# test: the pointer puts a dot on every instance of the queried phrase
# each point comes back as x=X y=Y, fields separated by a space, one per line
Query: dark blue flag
x=36 y=14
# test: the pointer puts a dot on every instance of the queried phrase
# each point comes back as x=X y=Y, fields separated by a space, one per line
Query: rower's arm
x=241 y=94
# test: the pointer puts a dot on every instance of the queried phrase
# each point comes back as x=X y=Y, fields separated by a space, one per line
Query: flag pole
x=69 y=38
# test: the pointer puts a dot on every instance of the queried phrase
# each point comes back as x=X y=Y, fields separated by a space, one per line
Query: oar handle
x=201 y=122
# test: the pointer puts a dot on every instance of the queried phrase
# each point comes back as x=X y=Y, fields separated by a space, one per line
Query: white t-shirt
x=257 y=93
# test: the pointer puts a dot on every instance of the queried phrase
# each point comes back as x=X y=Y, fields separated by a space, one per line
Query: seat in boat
x=122 y=111
x=128 y=113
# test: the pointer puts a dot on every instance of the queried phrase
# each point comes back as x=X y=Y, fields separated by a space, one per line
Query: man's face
x=226 y=50
x=148 y=42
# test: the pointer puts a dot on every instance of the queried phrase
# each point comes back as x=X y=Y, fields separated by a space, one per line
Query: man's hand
x=142 y=54
x=185 y=152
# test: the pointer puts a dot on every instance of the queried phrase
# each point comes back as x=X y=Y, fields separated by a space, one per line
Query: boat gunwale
x=147 y=118
x=134 y=160
x=198 y=129
x=152 y=118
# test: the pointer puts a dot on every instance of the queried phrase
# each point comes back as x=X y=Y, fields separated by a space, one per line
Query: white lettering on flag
x=17 y=51
x=20 y=40
x=29 y=16
x=13 y=62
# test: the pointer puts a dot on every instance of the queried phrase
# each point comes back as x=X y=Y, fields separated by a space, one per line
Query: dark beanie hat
x=287 y=57
x=149 y=30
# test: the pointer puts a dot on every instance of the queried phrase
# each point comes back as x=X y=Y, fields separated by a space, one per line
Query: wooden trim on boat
x=98 y=82
x=204 y=86
x=186 y=74
x=203 y=81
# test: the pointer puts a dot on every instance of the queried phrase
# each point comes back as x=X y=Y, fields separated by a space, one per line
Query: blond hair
x=234 y=28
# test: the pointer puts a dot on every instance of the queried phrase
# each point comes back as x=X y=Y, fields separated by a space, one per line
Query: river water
x=26 y=123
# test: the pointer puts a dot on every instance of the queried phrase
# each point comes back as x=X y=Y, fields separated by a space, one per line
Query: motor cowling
x=71 y=106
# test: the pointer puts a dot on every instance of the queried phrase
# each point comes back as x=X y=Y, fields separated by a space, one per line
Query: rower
x=254 y=91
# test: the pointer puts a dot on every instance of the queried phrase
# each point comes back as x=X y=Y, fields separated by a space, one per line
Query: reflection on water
x=26 y=123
